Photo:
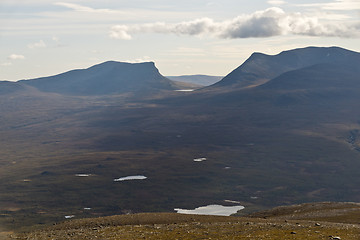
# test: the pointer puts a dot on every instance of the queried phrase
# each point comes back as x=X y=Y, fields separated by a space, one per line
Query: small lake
x=185 y=90
x=217 y=210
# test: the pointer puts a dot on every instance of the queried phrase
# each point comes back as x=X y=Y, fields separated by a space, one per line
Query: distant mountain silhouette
x=260 y=68
x=105 y=78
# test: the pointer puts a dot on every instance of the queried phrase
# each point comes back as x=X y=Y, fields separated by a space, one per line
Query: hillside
x=7 y=87
x=260 y=68
x=322 y=221
x=292 y=140
x=105 y=78
x=320 y=76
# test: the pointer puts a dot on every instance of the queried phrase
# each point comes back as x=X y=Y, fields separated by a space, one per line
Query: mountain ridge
x=109 y=77
x=292 y=140
x=260 y=68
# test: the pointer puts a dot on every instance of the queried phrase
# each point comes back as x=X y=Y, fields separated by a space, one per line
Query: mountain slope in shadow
x=106 y=78
x=260 y=68
x=7 y=87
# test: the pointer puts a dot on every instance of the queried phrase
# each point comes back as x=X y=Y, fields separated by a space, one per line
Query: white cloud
x=40 y=44
x=6 y=64
x=120 y=32
x=337 y=5
x=311 y=26
x=270 y=22
x=55 y=39
x=57 y=42
x=276 y=2
x=81 y=8
x=16 y=57
x=324 y=15
x=196 y=27
x=259 y=24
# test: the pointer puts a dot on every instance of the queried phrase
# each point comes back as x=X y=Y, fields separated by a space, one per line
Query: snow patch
x=199 y=159
x=82 y=175
x=217 y=210
x=232 y=201
x=139 y=177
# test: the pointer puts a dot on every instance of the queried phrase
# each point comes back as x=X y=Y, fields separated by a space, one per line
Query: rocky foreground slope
x=306 y=221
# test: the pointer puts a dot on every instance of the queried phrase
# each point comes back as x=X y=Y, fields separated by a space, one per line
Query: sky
x=44 y=37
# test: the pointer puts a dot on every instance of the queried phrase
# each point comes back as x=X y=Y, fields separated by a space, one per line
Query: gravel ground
x=180 y=226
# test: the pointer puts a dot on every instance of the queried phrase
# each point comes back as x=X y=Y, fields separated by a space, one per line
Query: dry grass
x=179 y=226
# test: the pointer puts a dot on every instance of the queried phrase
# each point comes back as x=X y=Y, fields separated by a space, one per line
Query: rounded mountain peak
x=260 y=68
